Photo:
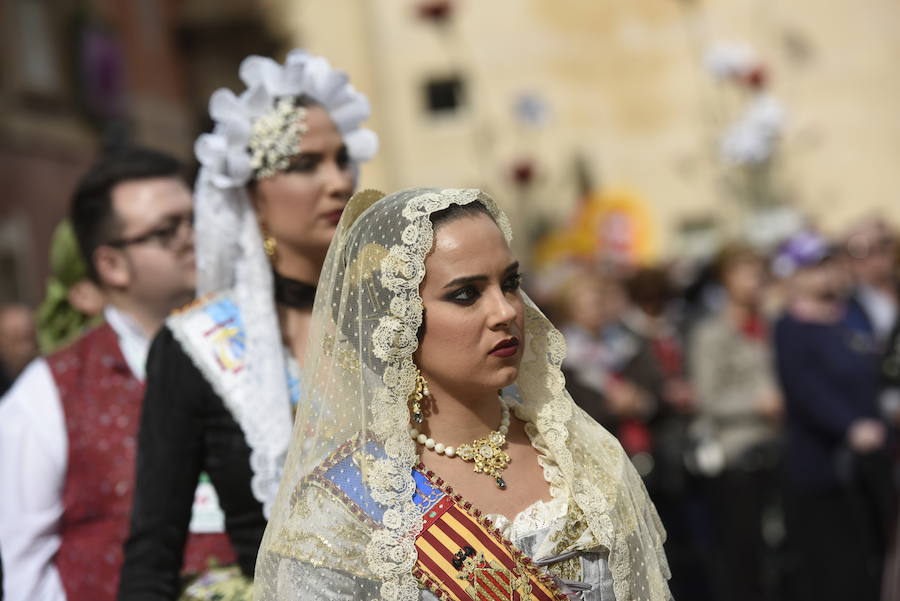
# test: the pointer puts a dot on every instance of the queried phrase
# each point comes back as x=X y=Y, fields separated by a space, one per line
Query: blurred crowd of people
x=757 y=395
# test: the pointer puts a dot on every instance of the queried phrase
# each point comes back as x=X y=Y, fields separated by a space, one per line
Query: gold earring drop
x=270 y=245
x=418 y=395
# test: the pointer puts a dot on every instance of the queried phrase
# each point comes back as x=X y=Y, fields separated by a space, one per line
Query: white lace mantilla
x=212 y=334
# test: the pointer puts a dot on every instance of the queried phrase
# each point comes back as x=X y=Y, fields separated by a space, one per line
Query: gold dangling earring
x=270 y=245
x=418 y=395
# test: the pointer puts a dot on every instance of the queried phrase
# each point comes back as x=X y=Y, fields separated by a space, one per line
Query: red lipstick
x=506 y=348
x=333 y=216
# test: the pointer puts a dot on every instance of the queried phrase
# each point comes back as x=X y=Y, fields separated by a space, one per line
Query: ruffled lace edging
x=552 y=472
x=539 y=514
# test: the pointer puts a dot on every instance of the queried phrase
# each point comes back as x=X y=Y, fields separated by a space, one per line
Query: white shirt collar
x=881 y=309
x=133 y=342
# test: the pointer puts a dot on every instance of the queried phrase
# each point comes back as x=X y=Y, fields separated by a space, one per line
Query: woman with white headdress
x=436 y=452
x=224 y=374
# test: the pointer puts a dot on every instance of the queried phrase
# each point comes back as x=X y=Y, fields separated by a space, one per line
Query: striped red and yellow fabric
x=462 y=558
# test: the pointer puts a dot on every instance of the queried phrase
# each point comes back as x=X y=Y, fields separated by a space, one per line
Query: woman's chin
x=507 y=375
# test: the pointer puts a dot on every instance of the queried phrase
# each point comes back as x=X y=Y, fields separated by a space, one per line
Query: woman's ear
x=112 y=267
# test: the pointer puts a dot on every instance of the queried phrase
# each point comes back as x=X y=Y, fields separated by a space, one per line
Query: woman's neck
x=297 y=266
x=455 y=419
x=294 y=321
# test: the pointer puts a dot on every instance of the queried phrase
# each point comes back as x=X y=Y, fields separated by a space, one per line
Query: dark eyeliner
x=469 y=290
x=514 y=281
x=343 y=158
x=303 y=164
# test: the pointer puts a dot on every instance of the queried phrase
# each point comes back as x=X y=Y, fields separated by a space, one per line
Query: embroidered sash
x=211 y=332
x=461 y=557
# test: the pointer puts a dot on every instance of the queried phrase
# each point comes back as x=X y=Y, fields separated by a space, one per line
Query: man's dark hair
x=92 y=214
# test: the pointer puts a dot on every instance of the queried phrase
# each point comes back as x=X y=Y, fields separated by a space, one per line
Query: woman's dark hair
x=650 y=289
x=93 y=217
x=732 y=255
x=456 y=211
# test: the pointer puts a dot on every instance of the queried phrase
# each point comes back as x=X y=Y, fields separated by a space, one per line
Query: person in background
x=587 y=305
x=651 y=324
x=890 y=406
x=739 y=407
x=648 y=327
x=651 y=328
x=68 y=426
x=72 y=302
x=835 y=455
x=871 y=249
x=18 y=342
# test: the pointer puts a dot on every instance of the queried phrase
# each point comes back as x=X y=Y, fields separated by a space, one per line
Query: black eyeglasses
x=164 y=235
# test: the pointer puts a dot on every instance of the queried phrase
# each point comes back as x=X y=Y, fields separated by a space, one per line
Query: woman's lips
x=506 y=348
x=333 y=216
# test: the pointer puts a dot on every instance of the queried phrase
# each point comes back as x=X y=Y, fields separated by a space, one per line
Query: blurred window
x=444 y=95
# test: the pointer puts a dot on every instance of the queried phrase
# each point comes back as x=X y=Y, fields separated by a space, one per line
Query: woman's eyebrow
x=470 y=279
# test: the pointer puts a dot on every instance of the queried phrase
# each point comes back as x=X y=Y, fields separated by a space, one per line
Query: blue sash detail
x=427 y=495
x=223 y=310
x=227 y=335
x=342 y=472
x=345 y=475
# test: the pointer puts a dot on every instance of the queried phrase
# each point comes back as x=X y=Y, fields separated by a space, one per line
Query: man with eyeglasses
x=68 y=426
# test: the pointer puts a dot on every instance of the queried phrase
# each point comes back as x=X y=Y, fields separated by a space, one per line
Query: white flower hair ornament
x=261 y=129
x=255 y=136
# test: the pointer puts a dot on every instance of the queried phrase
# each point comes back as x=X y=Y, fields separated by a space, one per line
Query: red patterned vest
x=101 y=401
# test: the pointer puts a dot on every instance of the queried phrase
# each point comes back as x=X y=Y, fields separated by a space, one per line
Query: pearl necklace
x=487 y=453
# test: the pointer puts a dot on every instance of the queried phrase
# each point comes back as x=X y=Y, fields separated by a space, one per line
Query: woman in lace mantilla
x=409 y=477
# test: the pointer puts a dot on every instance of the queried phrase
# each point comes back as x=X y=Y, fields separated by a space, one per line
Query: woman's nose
x=338 y=181
x=504 y=311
